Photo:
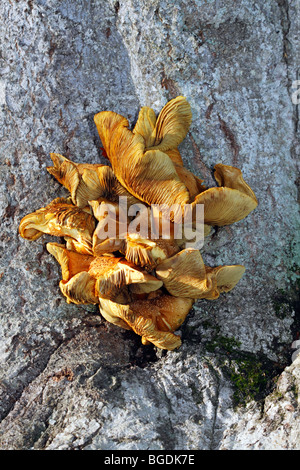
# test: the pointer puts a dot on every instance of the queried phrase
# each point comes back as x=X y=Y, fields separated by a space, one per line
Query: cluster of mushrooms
x=143 y=284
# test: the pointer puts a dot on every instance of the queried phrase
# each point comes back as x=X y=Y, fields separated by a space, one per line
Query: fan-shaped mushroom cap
x=80 y=289
x=231 y=177
x=185 y=275
x=29 y=225
x=80 y=179
x=224 y=206
x=141 y=325
x=87 y=181
x=165 y=134
x=169 y=129
x=148 y=175
x=60 y=218
x=226 y=276
x=154 y=320
x=169 y=312
x=109 y=310
x=113 y=274
x=229 y=203
x=172 y=124
x=77 y=285
x=71 y=262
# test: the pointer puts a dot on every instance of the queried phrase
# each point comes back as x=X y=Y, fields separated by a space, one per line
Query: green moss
x=252 y=378
x=295 y=391
x=282 y=310
x=249 y=378
x=224 y=343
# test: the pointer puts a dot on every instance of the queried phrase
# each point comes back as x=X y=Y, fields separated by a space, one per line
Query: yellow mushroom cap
x=226 y=277
x=80 y=289
x=169 y=129
x=59 y=218
x=77 y=285
x=224 y=206
x=185 y=275
x=154 y=320
x=149 y=175
x=87 y=181
x=113 y=274
x=230 y=202
x=145 y=125
x=232 y=177
x=71 y=262
x=147 y=252
x=81 y=179
x=172 y=124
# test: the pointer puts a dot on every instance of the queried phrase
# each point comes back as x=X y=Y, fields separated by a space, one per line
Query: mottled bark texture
x=69 y=380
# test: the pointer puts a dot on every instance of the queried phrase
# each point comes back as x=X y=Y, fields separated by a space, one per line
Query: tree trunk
x=70 y=380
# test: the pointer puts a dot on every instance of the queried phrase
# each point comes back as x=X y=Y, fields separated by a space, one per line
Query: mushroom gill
x=232 y=201
x=106 y=277
x=185 y=275
x=169 y=129
x=60 y=218
x=154 y=320
x=147 y=252
x=149 y=175
x=87 y=181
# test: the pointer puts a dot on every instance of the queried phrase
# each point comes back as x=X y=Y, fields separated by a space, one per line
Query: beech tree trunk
x=69 y=380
